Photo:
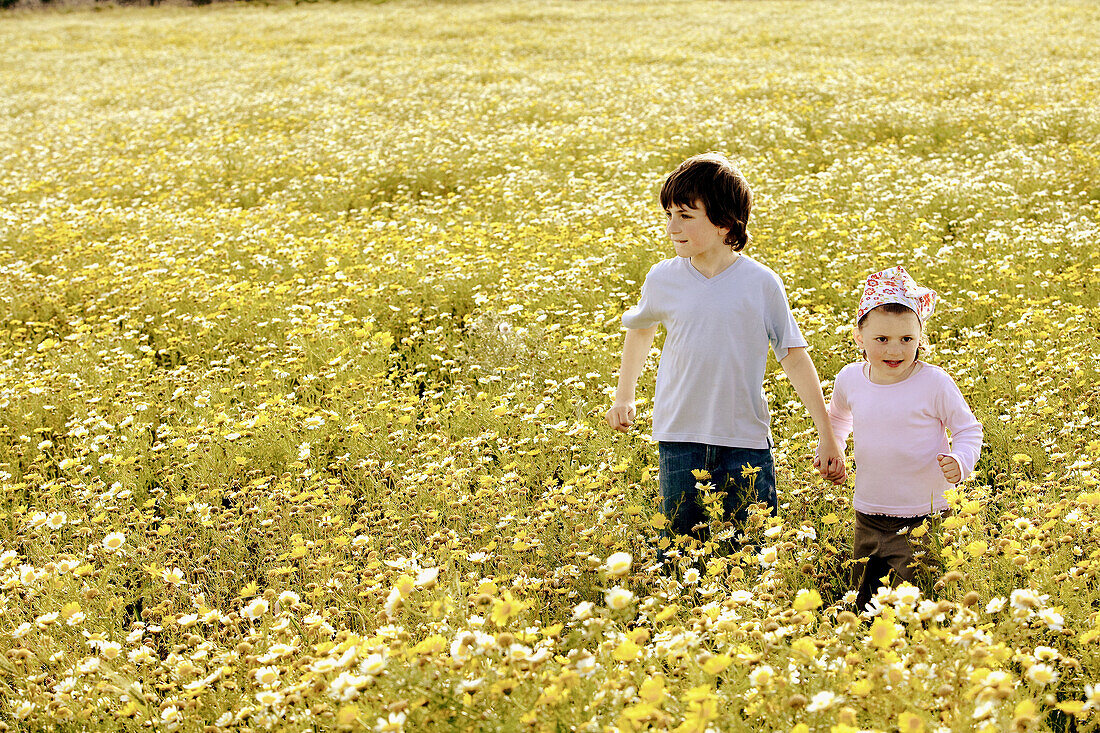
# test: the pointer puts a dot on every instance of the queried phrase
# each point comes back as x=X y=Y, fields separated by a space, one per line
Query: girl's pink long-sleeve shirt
x=899 y=431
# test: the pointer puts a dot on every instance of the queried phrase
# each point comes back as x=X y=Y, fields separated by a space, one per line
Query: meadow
x=310 y=317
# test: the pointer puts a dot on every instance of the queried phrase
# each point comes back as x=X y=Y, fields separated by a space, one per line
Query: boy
x=721 y=311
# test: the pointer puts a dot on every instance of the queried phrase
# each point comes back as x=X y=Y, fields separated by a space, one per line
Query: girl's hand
x=950 y=467
x=829 y=460
x=621 y=416
x=834 y=471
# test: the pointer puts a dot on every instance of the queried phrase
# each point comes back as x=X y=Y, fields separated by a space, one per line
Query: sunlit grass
x=310 y=316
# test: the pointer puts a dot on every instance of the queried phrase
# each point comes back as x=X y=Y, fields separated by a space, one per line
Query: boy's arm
x=800 y=370
x=636 y=347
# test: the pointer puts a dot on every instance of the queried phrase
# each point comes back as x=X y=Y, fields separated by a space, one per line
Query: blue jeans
x=680 y=500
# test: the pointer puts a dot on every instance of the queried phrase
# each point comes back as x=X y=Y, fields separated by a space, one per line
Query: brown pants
x=887 y=553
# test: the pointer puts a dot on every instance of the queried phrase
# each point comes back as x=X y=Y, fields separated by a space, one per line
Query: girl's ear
x=858 y=337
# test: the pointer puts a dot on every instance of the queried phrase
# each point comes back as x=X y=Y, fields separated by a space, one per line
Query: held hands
x=950 y=467
x=829 y=462
x=621 y=416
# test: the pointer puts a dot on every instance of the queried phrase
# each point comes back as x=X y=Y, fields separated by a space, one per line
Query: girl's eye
x=880 y=339
x=906 y=339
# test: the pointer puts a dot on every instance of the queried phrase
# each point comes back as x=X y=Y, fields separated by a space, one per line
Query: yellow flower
x=505 y=609
x=807 y=599
x=977 y=548
x=434 y=644
x=716 y=664
x=666 y=613
x=909 y=723
x=804 y=646
x=626 y=651
x=1026 y=713
x=883 y=633
x=653 y=689
x=1071 y=707
x=860 y=688
x=404 y=585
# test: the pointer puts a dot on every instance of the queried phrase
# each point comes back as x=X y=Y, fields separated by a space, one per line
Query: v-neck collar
x=709 y=280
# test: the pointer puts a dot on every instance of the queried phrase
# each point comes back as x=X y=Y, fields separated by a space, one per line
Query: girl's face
x=890 y=341
x=693 y=234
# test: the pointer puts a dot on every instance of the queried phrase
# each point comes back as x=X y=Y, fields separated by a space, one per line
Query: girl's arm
x=966 y=434
x=799 y=368
x=636 y=347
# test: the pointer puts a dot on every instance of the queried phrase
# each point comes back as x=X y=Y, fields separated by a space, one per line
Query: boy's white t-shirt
x=900 y=429
x=711 y=374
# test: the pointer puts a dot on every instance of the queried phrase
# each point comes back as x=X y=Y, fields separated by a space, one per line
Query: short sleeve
x=783 y=332
x=642 y=315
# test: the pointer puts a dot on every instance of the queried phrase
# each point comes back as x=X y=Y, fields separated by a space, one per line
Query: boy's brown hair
x=715 y=183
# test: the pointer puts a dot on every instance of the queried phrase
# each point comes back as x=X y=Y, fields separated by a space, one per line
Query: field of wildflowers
x=310 y=315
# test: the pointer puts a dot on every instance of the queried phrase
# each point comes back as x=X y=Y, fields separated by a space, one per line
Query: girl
x=898 y=407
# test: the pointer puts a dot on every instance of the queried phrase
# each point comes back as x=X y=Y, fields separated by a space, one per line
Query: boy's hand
x=621 y=416
x=950 y=467
x=830 y=461
x=838 y=474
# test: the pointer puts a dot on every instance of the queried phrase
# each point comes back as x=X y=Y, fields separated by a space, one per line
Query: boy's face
x=692 y=233
x=890 y=341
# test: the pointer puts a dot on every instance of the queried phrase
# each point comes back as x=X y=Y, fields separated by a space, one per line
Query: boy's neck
x=708 y=267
